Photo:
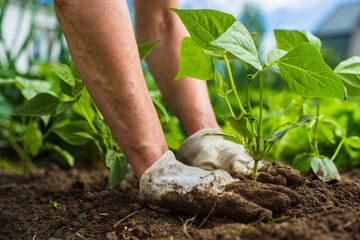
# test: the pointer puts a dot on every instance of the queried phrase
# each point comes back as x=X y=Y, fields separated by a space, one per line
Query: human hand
x=174 y=185
x=213 y=152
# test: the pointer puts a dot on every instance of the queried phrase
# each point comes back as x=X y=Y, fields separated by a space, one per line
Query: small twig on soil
x=278 y=219
x=186 y=223
x=349 y=223
x=207 y=217
x=81 y=236
x=128 y=216
x=34 y=237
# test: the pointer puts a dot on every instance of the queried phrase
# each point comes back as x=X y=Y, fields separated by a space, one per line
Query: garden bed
x=87 y=211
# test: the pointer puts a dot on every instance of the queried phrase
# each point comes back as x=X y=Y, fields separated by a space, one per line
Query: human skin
x=103 y=47
x=102 y=44
x=188 y=98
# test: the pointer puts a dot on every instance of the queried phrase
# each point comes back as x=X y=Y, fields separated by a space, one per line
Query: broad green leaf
x=204 y=26
x=353 y=142
x=31 y=87
x=72 y=91
x=145 y=48
x=238 y=41
x=325 y=134
x=349 y=72
x=302 y=162
x=118 y=168
x=289 y=39
x=303 y=120
x=32 y=138
x=274 y=55
x=64 y=73
x=65 y=154
x=222 y=87
x=238 y=125
x=41 y=104
x=85 y=104
x=324 y=169
x=161 y=111
x=67 y=132
x=193 y=61
x=305 y=73
x=84 y=135
x=63 y=106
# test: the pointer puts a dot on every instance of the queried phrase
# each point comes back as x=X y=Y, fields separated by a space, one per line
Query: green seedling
x=348 y=72
x=53 y=204
x=217 y=36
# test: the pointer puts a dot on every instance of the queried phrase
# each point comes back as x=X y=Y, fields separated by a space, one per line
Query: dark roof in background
x=343 y=20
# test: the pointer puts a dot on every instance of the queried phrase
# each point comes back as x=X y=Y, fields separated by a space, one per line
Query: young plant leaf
x=118 y=168
x=63 y=106
x=305 y=73
x=67 y=132
x=32 y=138
x=64 y=73
x=349 y=72
x=273 y=56
x=303 y=120
x=353 y=142
x=41 y=104
x=238 y=41
x=161 y=111
x=289 y=39
x=324 y=169
x=302 y=162
x=66 y=155
x=145 y=48
x=204 y=26
x=238 y=125
x=193 y=61
x=222 y=88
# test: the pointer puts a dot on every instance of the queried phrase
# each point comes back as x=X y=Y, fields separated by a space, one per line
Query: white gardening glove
x=172 y=184
x=213 y=152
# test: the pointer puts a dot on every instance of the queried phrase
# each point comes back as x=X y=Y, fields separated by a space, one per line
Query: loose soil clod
x=316 y=210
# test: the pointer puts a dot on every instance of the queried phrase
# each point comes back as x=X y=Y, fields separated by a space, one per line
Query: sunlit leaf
x=324 y=169
x=305 y=73
x=204 y=26
x=238 y=41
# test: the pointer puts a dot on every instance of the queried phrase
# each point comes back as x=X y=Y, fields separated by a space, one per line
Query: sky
x=278 y=14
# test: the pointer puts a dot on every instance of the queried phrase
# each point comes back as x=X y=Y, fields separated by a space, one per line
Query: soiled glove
x=174 y=185
x=213 y=152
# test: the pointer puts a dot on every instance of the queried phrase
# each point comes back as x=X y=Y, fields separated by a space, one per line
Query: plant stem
x=261 y=103
x=233 y=84
x=213 y=54
x=256 y=163
x=315 y=136
x=87 y=117
x=338 y=149
x=229 y=105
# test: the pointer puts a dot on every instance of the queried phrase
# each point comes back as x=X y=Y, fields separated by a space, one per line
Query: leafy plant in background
x=218 y=35
x=45 y=101
x=349 y=73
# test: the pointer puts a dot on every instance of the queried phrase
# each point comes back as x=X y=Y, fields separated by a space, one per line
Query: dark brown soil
x=316 y=210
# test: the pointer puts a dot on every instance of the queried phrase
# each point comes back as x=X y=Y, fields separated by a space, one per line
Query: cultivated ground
x=87 y=211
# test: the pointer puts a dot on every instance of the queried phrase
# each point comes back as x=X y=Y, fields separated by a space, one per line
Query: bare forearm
x=188 y=98
x=103 y=47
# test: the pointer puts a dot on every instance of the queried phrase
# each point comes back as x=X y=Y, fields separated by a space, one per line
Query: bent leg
x=188 y=98
x=103 y=47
